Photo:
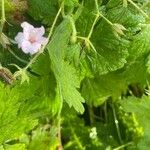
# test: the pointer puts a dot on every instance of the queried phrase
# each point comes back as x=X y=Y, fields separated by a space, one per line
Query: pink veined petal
x=27 y=29
x=19 y=39
x=26 y=46
x=35 y=47
x=34 y=34
x=37 y=33
x=43 y=40
x=40 y=31
x=26 y=25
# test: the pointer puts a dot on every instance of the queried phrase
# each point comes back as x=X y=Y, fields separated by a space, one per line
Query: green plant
x=88 y=87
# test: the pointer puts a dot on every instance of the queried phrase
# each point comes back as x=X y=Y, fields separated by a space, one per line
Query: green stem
x=93 y=25
x=63 y=10
x=105 y=111
x=91 y=114
x=108 y=21
x=59 y=116
x=61 y=101
x=91 y=44
x=49 y=36
x=123 y=146
x=69 y=144
x=88 y=41
x=138 y=8
x=3 y=15
x=95 y=21
x=97 y=7
x=74 y=31
x=17 y=57
x=59 y=134
x=116 y=123
x=54 y=22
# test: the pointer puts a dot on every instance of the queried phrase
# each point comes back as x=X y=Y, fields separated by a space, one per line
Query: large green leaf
x=67 y=79
x=43 y=10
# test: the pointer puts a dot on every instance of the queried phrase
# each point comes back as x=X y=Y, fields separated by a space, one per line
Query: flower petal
x=26 y=46
x=41 y=31
x=35 y=47
x=19 y=39
x=42 y=40
x=37 y=32
x=27 y=28
x=26 y=25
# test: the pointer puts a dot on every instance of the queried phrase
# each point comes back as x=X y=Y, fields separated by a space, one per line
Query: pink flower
x=31 y=39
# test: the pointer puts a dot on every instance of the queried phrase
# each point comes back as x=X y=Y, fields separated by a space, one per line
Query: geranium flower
x=31 y=39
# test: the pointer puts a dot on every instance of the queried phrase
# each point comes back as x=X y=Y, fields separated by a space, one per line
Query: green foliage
x=139 y=45
x=8 y=6
x=13 y=122
x=70 y=2
x=43 y=10
x=140 y=107
x=85 y=20
x=15 y=147
x=67 y=80
x=41 y=138
x=98 y=136
x=81 y=84
x=41 y=89
x=99 y=89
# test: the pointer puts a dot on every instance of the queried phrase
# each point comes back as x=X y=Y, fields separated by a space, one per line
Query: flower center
x=32 y=39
